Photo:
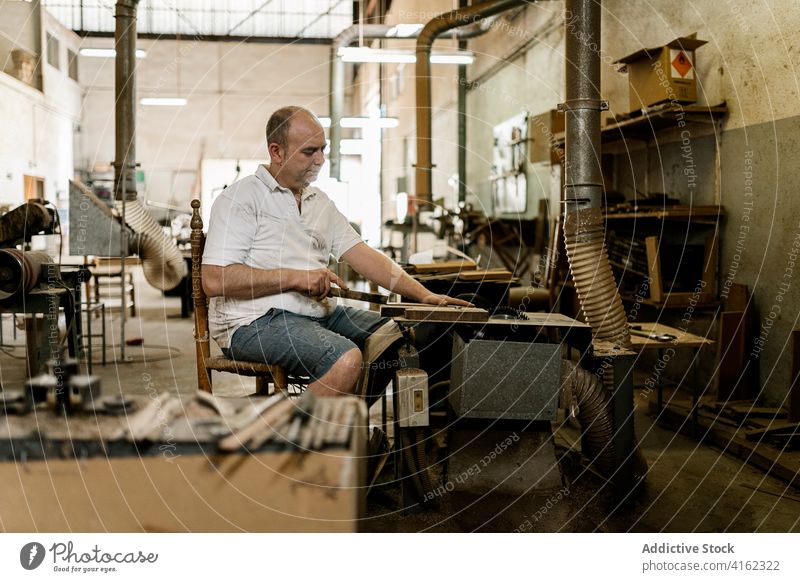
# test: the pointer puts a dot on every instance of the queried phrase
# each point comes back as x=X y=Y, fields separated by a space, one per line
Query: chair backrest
x=198 y=241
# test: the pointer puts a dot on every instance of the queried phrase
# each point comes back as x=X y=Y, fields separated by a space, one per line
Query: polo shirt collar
x=262 y=173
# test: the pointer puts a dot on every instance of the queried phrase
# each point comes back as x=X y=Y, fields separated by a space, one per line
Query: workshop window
x=72 y=65
x=34 y=187
x=53 y=50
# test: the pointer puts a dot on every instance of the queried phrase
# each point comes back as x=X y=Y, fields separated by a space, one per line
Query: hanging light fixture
x=359 y=54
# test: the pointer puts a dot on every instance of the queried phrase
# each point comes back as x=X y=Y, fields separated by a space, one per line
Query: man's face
x=304 y=153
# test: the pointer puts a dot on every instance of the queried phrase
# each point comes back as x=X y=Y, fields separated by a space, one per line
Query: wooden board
x=731 y=355
x=684 y=339
x=778 y=426
x=377 y=298
x=445 y=267
x=446 y=313
x=487 y=275
x=398 y=309
x=782 y=464
x=677 y=211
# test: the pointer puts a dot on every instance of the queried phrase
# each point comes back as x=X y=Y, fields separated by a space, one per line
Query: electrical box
x=412 y=397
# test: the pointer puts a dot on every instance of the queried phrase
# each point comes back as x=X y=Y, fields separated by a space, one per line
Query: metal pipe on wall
x=337 y=76
x=337 y=84
x=125 y=99
x=584 y=231
x=462 y=121
x=125 y=129
x=436 y=27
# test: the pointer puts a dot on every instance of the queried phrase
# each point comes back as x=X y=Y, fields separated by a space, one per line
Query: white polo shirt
x=256 y=222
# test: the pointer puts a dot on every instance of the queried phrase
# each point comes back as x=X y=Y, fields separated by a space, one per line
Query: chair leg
x=262 y=386
x=281 y=380
x=133 y=297
x=204 y=379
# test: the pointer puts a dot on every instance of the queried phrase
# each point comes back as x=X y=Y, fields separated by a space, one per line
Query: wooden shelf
x=680 y=212
x=645 y=127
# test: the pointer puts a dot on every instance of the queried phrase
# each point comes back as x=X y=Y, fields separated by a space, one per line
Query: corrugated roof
x=288 y=19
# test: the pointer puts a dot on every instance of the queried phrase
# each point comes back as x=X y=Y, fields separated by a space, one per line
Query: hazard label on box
x=682 y=66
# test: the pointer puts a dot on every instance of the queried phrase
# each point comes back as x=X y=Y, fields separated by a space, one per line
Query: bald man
x=265 y=265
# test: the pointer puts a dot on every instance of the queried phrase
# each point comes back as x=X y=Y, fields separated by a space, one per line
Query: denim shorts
x=305 y=346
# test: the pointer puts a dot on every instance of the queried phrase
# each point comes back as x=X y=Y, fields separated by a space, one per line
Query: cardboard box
x=661 y=74
x=81 y=479
x=320 y=491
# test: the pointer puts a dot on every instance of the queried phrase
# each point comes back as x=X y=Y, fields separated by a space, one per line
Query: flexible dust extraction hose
x=594 y=281
x=586 y=392
x=590 y=396
x=162 y=263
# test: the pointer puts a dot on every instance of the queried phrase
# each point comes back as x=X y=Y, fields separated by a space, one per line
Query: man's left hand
x=436 y=299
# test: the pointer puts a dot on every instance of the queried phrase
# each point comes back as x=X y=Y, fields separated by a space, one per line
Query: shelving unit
x=644 y=251
x=642 y=238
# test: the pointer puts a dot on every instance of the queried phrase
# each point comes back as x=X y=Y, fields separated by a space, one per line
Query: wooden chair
x=264 y=373
x=109 y=286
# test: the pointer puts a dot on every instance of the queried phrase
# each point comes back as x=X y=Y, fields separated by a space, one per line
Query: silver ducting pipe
x=584 y=231
x=162 y=262
x=436 y=27
x=337 y=78
x=337 y=85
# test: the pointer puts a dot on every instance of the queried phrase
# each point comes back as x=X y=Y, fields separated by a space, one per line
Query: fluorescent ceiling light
x=166 y=101
x=107 y=53
x=359 y=122
x=404 y=30
x=358 y=54
x=458 y=58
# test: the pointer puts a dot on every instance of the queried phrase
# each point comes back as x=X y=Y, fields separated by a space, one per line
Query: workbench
x=682 y=340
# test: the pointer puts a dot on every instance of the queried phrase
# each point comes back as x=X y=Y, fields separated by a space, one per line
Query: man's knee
x=348 y=367
x=351 y=360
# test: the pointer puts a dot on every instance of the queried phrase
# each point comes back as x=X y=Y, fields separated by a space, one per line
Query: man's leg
x=341 y=378
x=361 y=325
x=354 y=324
x=304 y=347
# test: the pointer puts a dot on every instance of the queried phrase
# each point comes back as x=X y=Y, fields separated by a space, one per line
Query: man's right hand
x=315 y=283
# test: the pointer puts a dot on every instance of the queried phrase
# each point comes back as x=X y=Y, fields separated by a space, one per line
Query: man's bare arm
x=242 y=282
x=379 y=268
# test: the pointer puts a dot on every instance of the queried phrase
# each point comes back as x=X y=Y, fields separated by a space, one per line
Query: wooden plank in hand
x=398 y=309
x=377 y=298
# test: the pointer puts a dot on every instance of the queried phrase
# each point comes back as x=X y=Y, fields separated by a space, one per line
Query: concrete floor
x=689 y=486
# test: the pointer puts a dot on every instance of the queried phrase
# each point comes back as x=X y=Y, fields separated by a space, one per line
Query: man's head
x=296 y=145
